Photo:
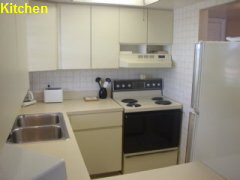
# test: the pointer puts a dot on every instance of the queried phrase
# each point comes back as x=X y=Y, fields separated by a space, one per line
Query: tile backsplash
x=83 y=80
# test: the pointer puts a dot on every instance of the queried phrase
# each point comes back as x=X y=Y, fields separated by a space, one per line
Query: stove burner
x=157 y=98
x=129 y=100
x=133 y=105
x=163 y=102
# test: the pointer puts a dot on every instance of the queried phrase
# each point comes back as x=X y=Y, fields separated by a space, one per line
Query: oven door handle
x=150 y=152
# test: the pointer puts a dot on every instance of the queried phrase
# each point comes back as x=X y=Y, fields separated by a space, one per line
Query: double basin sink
x=38 y=127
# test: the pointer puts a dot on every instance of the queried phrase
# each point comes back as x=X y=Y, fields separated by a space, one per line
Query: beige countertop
x=78 y=106
x=190 y=171
x=69 y=151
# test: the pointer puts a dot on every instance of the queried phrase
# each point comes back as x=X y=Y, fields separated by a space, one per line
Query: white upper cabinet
x=105 y=37
x=75 y=32
x=42 y=39
x=160 y=27
x=133 y=25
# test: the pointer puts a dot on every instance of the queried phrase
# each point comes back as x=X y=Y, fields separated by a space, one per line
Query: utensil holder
x=102 y=93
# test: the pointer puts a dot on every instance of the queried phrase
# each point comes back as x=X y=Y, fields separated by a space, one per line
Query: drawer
x=96 y=120
x=151 y=161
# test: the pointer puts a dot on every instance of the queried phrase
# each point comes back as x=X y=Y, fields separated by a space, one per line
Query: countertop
x=78 y=106
x=190 y=171
x=69 y=151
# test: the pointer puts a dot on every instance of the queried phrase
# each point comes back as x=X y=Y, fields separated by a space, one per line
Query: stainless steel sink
x=38 y=127
x=31 y=134
x=37 y=120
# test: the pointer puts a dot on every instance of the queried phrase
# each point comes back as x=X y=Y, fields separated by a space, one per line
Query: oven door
x=151 y=131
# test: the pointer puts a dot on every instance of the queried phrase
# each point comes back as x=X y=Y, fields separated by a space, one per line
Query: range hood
x=145 y=61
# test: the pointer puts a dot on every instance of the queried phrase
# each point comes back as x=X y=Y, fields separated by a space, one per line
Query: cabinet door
x=160 y=27
x=105 y=37
x=13 y=68
x=75 y=36
x=42 y=38
x=22 y=66
x=133 y=25
x=101 y=149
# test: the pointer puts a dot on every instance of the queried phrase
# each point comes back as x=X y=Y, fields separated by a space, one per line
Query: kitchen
x=49 y=44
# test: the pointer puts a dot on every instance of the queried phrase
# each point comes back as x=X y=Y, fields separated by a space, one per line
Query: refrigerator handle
x=196 y=76
x=190 y=136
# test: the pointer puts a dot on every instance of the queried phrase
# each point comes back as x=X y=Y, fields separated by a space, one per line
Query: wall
x=233 y=27
x=178 y=81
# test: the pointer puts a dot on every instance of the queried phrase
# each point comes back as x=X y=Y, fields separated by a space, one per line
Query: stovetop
x=141 y=104
x=142 y=95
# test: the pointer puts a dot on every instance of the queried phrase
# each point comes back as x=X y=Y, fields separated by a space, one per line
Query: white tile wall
x=81 y=80
x=178 y=81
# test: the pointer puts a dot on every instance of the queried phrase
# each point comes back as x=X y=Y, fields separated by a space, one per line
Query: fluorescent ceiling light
x=147 y=2
x=119 y=2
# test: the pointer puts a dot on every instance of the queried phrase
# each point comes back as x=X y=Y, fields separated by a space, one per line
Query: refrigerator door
x=217 y=134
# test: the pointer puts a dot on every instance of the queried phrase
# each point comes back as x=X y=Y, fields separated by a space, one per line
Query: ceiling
x=230 y=10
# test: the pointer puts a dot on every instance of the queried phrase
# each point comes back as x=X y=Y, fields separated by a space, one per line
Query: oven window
x=147 y=131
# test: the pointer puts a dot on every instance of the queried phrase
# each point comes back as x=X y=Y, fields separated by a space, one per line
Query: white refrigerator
x=214 y=123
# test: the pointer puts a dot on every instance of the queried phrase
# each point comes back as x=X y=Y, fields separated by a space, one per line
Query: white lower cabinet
x=99 y=136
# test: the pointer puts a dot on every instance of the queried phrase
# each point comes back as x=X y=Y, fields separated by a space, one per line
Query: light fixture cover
x=119 y=2
x=147 y=2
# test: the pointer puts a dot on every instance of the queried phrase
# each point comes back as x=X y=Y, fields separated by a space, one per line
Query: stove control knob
x=118 y=86
x=123 y=86
x=129 y=85
x=158 y=84
x=153 y=84
x=148 y=85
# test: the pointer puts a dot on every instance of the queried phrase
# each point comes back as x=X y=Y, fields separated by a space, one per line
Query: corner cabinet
x=160 y=27
x=133 y=25
x=75 y=35
x=42 y=39
x=99 y=137
x=105 y=37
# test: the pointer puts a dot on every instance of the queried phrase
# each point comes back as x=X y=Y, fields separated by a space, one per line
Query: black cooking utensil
x=108 y=80
x=98 y=80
